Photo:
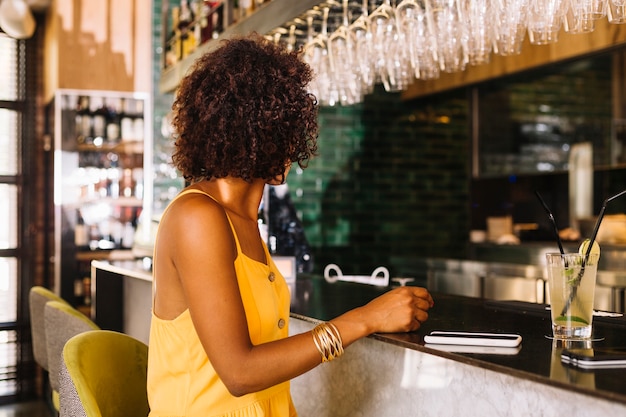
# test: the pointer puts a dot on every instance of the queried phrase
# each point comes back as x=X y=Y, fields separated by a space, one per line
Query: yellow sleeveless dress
x=181 y=379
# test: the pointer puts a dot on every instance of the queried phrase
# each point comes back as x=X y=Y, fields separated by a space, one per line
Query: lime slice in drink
x=571 y=319
x=595 y=249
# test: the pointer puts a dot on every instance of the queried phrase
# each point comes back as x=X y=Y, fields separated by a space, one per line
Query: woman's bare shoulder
x=193 y=221
x=192 y=238
x=193 y=207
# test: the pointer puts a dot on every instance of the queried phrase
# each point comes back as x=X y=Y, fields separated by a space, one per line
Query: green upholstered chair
x=62 y=322
x=104 y=374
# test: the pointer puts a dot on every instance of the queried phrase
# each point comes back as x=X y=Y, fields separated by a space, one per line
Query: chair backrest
x=37 y=299
x=104 y=375
x=62 y=322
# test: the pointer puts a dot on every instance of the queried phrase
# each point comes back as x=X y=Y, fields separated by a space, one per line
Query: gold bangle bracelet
x=328 y=341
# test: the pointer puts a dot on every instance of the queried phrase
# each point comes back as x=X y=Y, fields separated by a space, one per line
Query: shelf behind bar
x=106 y=255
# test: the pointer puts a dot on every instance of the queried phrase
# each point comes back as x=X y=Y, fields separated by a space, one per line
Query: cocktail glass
x=572 y=282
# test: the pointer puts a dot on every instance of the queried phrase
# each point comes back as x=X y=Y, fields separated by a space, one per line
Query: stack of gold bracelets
x=328 y=341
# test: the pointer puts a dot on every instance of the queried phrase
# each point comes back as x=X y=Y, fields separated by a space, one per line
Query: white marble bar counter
x=388 y=375
x=398 y=375
x=139 y=269
x=121 y=293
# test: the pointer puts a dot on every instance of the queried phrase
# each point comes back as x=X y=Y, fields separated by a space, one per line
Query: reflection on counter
x=562 y=372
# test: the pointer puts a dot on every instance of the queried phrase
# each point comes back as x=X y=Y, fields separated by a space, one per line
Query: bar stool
x=62 y=322
x=38 y=297
x=104 y=374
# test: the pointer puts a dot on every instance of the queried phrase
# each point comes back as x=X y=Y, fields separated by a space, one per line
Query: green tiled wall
x=391 y=181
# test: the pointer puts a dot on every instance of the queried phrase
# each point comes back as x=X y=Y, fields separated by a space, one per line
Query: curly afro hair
x=244 y=111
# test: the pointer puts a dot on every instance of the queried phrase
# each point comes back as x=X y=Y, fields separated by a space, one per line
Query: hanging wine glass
x=578 y=19
x=378 y=25
x=510 y=26
x=362 y=40
x=326 y=81
x=616 y=11
x=544 y=20
x=414 y=19
x=479 y=17
x=313 y=54
x=398 y=71
x=589 y=9
x=342 y=61
x=451 y=30
x=392 y=64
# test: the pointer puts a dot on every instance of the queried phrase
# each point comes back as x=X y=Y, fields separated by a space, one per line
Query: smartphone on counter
x=595 y=358
x=483 y=350
x=473 y=338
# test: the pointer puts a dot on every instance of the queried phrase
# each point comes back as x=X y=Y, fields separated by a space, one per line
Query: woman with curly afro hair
x=219 y=342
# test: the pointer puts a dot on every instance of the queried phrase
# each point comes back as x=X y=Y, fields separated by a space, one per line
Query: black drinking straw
x=551 y=217
x=600 y=216
x=594 y=234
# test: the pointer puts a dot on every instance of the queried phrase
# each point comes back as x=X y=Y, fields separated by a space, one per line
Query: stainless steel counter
x=534 y=253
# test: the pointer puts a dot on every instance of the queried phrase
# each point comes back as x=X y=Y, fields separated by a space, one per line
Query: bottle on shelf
x=128 y=235
x=138 y=182
x=138 y=126
x=234 y=5
x=117 y=232
x=174 y=47
x=133 y=107
x=81 y=233
x=216 y=10
x=246 y=8
x=127 y=129
x=84 y=121
x=201 y=21
x=86 y=281
x=113 y=107
x=103 y=183
x=79 y=291
x=185 y=26
x=94 y=237
x=99 y=112
x=82 y=287
x=82 y=104
x=113 y=175
x=228 y=13
x=127 y=184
